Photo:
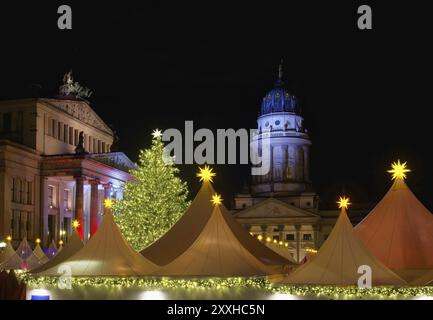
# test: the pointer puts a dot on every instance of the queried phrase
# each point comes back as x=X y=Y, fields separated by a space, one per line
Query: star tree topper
x=157 y=134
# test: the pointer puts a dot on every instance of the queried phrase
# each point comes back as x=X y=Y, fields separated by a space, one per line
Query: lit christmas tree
x=155 y=200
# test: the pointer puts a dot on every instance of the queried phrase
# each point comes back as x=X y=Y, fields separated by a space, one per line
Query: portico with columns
x=75 y=187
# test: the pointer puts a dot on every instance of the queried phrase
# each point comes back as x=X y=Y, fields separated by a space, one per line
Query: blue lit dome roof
x=279 y=99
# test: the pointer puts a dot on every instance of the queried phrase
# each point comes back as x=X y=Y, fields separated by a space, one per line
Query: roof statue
x=72 y=88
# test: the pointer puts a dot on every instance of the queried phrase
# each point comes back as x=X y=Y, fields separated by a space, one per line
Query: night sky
x=365 y=95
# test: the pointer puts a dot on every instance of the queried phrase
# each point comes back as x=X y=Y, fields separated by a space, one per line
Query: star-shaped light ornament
x=398 y=170
x=343 y=202
x=216 y=200
x=206 y=174
x=75 y=224
x=108 y=203
x=157 y=134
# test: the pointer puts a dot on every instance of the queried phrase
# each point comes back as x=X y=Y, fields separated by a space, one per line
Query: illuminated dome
x=278 y=100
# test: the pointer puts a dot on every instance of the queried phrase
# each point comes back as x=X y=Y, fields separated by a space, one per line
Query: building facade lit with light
x=281 y=206
x=56 y=165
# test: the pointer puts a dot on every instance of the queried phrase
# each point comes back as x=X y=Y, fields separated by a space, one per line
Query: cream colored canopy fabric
x=14 y=262
x=24 y=250
x=425 y=280
x=107 y=253
x=40 y=255
x=338 y=260
x=185 y=232
x=217 y=252
x=7 y=252
x=72 y=247
x=282 y=251
x=399 y=230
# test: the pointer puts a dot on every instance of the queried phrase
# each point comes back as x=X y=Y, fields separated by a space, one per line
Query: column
x=316 y=229
x=44 y=214
x=298 y=242
x=94 y=206
x=281 y=232
x=79 y=204
x=107 y=195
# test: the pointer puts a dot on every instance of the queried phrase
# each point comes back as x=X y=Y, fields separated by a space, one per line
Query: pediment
x=80 y=110
x=273 y=208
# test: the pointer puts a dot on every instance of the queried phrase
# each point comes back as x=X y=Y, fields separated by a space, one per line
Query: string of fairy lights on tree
x=155 y=200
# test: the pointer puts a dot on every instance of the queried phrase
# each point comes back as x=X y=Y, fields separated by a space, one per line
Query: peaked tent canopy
x=107 y=253
x=73 y=246
x=217 y=251
x=39 y=254
x=185 y=232
x=338 y=260
x=399 y=230
x=24 y=250
x=52 y=250
x=425 y=280
x=7 y=252
x=14 y=262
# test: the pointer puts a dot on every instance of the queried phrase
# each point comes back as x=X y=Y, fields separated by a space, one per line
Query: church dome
x=278 y=100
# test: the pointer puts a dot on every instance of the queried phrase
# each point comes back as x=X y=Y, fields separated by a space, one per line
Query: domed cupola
x=279 y=99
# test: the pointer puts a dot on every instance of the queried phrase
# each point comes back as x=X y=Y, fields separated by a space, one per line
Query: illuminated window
x=50 y=196
x=67 y=199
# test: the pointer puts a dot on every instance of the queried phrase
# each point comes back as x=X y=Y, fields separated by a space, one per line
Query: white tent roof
x=107 y=253
x=338 y=260
x=282 y=251
x=7 y=252
x=399 y=230
x=186 y=231
x=217 y=252
x=73 y=246
x=24 y=250
x=52 y=250
x=39 y=254
x=14 y=262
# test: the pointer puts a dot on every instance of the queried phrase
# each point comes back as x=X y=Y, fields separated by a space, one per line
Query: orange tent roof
x=399 y=230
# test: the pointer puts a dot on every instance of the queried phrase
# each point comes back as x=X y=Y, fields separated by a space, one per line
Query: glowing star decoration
x=206 y=174
x=8 y=238
x=268 y=239
x=260 y=237
x=398 y=170
x=156 y=134
x=216 y=200
x=61 y=242
x=75 y=224
x=38 y=240
x=343 y=202
x=108 y=203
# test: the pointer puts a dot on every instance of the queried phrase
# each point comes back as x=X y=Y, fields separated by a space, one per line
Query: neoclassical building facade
x=280 y=207
x=56 y=165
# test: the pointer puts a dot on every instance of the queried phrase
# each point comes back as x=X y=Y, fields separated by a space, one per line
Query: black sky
x=365 y=95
